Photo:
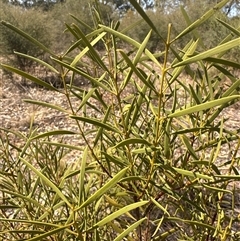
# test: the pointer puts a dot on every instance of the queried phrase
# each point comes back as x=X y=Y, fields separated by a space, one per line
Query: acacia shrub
x=149 y=163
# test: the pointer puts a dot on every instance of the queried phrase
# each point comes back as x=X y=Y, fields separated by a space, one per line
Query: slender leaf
x=197 y=36
x=104 y=188
x=223 y=61
x=189 y=147
x=192 y=174
x=96 y=122
x=28 y=37
x=82 y=22
x=197 y=223
x=86 y=98
x=47 y=181
x=120 y=212
x=160 y=206
x=30 y=77
x=47 y=234
x=132 y=141
x=146 y=18
x=45 y=104
x=32 y=222
x=202 y=19
x=229 y=177
x=100 y=130
x=142 y=48
x=134 y=69
x=126 y=39
x=231 y=28
x=84 y=74
x=85 y=50
x=78 y=148
x=209 y=53
x=129 y=229
x=81 y=176
x=23 y=197
x=50 y=67
x=53 y=133
x=204 y=106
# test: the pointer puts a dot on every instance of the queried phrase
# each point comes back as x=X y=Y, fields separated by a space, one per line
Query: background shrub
x=34 y=22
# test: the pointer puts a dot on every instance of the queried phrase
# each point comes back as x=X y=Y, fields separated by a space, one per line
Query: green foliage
x=33 y=22
x=139 y=32
x=149 y=167
x=45 y=5
x=211 y=32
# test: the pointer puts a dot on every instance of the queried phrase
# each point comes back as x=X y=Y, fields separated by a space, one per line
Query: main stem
x=161 y=87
